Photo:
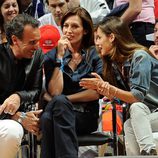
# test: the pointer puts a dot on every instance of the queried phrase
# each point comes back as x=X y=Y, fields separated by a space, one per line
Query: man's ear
x=14 y=39
x=112 y=37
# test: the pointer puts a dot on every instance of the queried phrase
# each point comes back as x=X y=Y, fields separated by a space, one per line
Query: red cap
x=49 y=37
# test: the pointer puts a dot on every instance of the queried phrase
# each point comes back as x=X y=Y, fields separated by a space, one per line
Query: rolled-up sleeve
x=140 y=74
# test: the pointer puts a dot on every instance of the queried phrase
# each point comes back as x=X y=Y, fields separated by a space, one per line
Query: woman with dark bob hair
x=8 y=10
x=72 y=110
x=130 y=74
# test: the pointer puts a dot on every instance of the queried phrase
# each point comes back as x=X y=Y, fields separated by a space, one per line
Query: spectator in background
x=20 y=82
x=35 y=8
x=8 y=10
x=49 y=37
x=38 y=8
x=25 y=6
x=71 y=110
x=98 y=9
x=140 y=16
x=154 y=48
x=57 y=9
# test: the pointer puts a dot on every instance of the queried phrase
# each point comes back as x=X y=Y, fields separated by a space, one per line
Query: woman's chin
x=102 y=54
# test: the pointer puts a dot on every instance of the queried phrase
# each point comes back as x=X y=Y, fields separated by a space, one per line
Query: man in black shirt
x=20 y=82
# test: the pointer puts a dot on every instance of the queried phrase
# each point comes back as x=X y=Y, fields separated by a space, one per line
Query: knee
x=58 y=103
x=11 y=131
x=138 y=108
x=135 y=106
x=45 y=119
x=126 y=124
x=60 y=100
x=127 y=127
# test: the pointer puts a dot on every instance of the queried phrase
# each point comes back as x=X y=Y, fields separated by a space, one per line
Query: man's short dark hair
x=16 y=26
x=47 y=1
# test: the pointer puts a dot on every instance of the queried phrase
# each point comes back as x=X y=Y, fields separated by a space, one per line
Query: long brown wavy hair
x=123 y=46
x=88 y=38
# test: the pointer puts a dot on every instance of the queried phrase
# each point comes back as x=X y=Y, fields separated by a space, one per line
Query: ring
x=10 y=111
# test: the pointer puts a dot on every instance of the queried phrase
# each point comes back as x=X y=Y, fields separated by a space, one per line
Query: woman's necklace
x=75 y=60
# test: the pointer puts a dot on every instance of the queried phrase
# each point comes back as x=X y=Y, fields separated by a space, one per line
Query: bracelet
x=62 y=67
x=59 y=60
x=21 y=117
x=116 y=89
x=111 y=96
x=59 y=63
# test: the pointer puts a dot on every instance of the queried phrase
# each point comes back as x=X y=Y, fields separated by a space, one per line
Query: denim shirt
x=143 y=78
x=91 y=62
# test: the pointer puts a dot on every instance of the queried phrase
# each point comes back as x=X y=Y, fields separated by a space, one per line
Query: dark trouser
x=60 y=125
x=140 y=30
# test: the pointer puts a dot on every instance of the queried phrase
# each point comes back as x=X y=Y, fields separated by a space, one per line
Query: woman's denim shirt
x=91 y=62
x=143 y=78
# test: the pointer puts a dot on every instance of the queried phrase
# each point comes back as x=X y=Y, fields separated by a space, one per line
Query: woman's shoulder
x=141 y=53
x=92 y=50
x=143 y=56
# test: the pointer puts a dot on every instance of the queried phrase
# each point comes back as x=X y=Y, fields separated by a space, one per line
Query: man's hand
x=154 y=50
x=30 y=122
x=10 y=105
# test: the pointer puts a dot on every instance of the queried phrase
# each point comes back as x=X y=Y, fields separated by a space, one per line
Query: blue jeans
x=60 y=126
x=138 y=129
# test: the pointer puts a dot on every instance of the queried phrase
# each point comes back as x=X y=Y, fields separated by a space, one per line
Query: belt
x=80 y=107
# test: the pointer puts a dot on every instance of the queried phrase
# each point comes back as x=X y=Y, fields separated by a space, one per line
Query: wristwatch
x=21 y=117
x=58 y=63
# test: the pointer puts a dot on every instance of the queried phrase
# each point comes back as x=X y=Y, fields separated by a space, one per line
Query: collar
x=68 y=53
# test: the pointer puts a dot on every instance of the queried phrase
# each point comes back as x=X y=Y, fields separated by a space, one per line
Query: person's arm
x=105 y=89
x=140 y=78
x=84 y=96
x=55 y=85
x=31 y=92
x=135 y=7
x=123 y=95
